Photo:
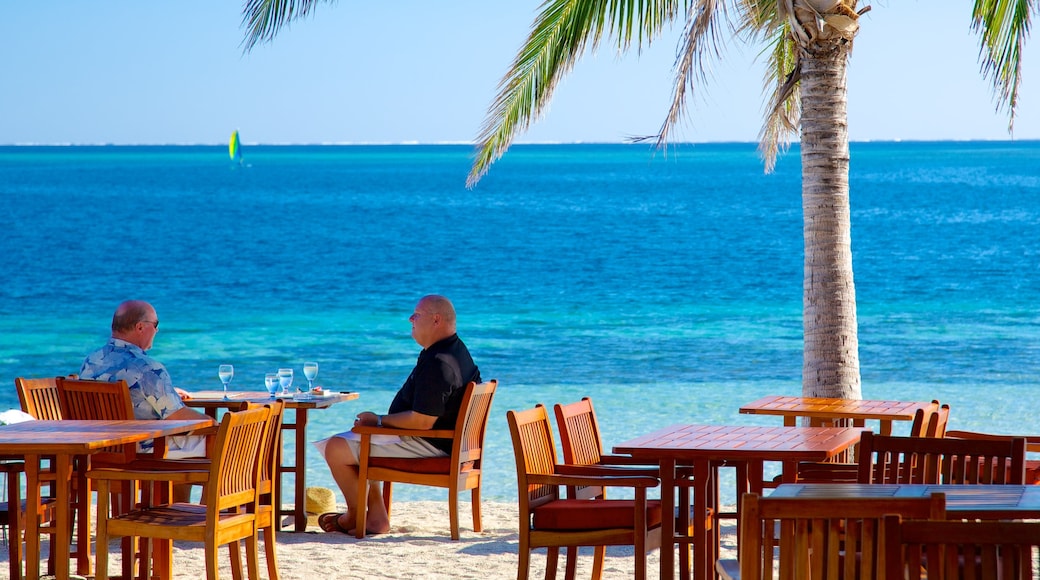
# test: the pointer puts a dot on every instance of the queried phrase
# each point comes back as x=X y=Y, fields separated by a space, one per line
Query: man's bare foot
x=372 y=527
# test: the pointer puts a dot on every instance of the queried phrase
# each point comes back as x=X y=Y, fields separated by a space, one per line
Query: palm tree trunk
x=830 y=366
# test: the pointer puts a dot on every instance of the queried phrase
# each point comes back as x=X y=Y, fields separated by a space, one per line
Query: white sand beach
x=418 y=546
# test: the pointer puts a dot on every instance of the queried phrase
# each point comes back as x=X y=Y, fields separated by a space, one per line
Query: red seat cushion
x=580 y=514
x=417 y=465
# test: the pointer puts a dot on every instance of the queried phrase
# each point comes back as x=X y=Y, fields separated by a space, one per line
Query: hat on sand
x=319 y=500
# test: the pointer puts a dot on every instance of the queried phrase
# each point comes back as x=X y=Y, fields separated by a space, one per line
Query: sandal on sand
x=329 y=522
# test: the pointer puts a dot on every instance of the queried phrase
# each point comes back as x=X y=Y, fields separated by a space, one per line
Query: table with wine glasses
x=301 y=404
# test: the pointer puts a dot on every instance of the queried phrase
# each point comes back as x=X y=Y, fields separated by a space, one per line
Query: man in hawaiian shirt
x=134 y=327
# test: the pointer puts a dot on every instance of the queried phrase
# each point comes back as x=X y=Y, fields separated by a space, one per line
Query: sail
x=234 y=148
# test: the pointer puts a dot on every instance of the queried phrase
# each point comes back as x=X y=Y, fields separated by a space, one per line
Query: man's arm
x=402 y=420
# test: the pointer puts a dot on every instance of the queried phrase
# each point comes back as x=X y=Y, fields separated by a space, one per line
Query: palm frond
x=1004 y=27
x=701 y=40
x=263 y=19
x=560 y=35
x=783 y=111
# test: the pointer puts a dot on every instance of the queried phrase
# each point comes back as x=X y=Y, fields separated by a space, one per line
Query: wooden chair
x=836 y=539
x=266 y=514
x=12 y=516
x=39 y=397
x=547 y=520
x=930 y=423
x=228 y=512
x=939 y=550
x=886 y=459
x=582 y=445
x=460 y=471
x=1032 y=446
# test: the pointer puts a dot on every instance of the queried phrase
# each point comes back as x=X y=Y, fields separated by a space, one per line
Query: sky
x=174 y=72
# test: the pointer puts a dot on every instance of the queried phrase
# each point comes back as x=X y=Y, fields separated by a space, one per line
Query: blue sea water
x=667 y=287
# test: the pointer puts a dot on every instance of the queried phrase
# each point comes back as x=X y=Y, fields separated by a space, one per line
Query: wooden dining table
x=981 y=502
x=706 y=446
x=213 y=401
x=826 y=411
x=62 y=441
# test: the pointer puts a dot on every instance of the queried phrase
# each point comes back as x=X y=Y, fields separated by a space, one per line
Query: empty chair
x=1032 y=445
x=954 y=549
x=930 y=423
x=460 y=471
x=582 y=445
x=819 y=538
x=885 y=459
x=228 y=512
x=39 y=397
x=548 y=520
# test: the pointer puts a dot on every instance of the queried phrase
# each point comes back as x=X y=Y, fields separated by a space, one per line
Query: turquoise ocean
x=665 y=285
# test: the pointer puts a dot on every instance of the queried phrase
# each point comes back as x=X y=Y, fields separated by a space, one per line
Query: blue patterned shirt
x=151 y=388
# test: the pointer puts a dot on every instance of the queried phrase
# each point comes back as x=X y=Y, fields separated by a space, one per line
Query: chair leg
x=453 y=512
x=361 y=508
x=269 y=551
x=388 y=492
x=478 y=525
x=212 y=569
x=235 y=557
x=252 y=557
x=552 y=559
x=597 y=562
x=571 y=567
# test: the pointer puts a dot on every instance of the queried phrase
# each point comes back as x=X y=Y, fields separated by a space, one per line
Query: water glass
x=310 y=370
x=225 y=372
x=271 y=382
x=285 y=377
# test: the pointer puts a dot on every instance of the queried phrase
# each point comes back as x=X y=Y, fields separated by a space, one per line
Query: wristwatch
x=379 y=420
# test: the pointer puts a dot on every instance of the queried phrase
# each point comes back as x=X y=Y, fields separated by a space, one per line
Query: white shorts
x=386 y=446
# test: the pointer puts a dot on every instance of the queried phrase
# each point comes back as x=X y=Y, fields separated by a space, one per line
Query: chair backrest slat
x=821 y=538
x=954 y=549
x=535 y=454
x=233 y=481
x=39 y=397
x=471 y=425
x=886 y=459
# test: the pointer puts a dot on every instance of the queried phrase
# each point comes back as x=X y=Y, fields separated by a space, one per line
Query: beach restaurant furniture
x=968 y=501
x=62 y=441
x=941 y=550
x=1032 y=446
x=931 y=423
x=228 y=510
x=825 y=412
x=12 y=510
x=548 y=520
x=885 y=459
x=301 y=404
x=582 y=445
x=748 y=446
x=818 y=538
x=460 y=471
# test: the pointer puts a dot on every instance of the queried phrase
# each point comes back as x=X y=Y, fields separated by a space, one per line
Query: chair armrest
x=1032 y=441
x=605 y=470
x=173 y=476
x=376 y=430
x=608 y=481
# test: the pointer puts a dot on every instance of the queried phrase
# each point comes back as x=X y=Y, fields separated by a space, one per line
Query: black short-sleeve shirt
x=436 y=385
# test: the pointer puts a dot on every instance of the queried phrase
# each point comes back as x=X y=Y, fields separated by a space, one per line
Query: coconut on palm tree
x=808 y=43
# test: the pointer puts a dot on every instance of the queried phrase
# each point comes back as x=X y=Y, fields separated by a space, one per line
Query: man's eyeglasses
x=152 y=322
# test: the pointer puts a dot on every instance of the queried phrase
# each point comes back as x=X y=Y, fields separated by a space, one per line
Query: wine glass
x=225 y=372
x=310 y=370
x=271 y=382
x=285 y=380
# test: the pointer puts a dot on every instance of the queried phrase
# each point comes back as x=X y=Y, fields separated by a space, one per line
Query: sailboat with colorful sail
x=235 y=147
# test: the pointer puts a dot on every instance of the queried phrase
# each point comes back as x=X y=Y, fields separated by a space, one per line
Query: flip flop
x=329 y=522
